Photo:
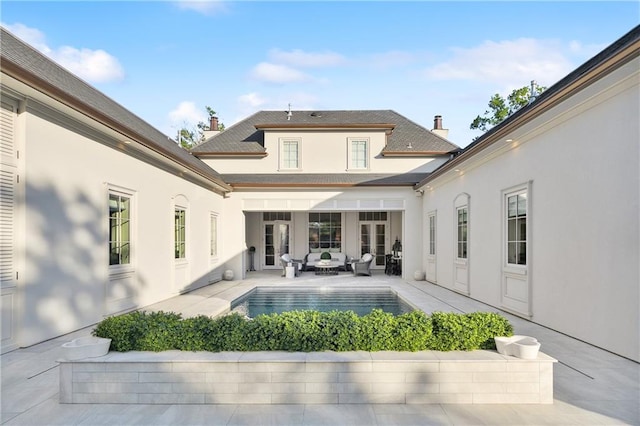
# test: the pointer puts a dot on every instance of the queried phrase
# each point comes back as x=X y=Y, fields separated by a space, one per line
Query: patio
x=591 y=386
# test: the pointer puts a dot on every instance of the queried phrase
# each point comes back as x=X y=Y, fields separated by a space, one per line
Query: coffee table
x=326 y=268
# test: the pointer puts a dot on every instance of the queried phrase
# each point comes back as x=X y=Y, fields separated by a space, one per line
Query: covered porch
x=305 y=235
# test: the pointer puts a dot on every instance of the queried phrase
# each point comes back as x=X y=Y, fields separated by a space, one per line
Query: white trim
x=367 y=158
x=281 y=156
x=133 y=218
x=516 y=295
x=214 y=257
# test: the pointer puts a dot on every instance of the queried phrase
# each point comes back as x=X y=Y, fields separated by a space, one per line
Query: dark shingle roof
x=244 y=137
x=322 y=179
x=27 y=64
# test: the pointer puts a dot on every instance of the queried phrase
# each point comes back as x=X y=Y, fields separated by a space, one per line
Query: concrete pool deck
x=591 y=386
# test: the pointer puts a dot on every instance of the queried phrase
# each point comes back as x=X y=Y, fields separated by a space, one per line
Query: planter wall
x=174 y=377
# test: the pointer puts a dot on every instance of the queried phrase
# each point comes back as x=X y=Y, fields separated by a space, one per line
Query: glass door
x=373 y=239
x=276 y=243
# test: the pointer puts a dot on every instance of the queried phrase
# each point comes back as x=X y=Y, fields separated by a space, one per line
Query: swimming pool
x=267 y=300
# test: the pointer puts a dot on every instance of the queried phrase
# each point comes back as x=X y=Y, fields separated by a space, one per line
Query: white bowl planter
x=418 y=276
x=86 y=347
x=524 y=347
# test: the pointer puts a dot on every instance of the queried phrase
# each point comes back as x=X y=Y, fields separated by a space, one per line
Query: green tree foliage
x=192 y=136
x=501 y=108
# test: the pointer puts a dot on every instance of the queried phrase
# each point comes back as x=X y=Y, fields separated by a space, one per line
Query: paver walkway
x=591 y=386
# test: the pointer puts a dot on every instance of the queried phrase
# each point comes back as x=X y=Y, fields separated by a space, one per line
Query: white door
x=276 y=243
x=374 y=240
x=8 y=193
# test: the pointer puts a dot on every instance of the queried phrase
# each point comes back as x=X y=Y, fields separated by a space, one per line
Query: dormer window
x=358 y=153
x=290 y=154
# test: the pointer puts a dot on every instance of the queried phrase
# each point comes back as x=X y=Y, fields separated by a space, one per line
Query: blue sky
x=166 y=60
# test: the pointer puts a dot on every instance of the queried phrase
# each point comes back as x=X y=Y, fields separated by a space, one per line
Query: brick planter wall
x=174 y=377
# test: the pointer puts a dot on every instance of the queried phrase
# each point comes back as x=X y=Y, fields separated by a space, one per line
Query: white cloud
x=186 y=114
x=205 y=7
x=251 y=100
x=299 y=58
x=96 y=66
x=274 y=73
x=510 y=63
x=92 y=65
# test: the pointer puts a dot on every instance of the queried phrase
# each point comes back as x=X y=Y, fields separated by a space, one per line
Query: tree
x=501 y=108
x=192 y=136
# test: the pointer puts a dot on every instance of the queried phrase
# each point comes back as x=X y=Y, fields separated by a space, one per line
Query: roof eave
x=549 y=99
x=25 y=76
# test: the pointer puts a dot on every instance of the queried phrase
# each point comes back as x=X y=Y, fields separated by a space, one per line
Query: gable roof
x=26 y=64
x=620 y=52
x=404 y=136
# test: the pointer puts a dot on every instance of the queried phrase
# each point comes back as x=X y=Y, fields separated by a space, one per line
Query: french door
x=374 y=240
x=277 y=235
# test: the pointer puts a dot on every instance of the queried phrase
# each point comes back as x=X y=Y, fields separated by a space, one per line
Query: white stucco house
x=101 y=213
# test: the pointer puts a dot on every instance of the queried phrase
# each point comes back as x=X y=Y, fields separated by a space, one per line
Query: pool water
x=267 y=300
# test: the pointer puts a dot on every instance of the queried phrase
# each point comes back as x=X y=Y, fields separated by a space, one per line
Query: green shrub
x=305 y=331
x=325 y=255
x=465 y=332
x=412 y=332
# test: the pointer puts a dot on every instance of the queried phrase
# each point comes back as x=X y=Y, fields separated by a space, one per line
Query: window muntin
x=271 y=216
x=119 y=229
x=462 y=226
x=358 y=154
x=213 y=235
x=379 y=216
x=289 y=154
x=180 y=219
x=432 y=234
x=516 y=228
x=325 y=232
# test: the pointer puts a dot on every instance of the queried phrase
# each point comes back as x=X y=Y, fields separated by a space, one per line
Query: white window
x=462 y=226
x=120 y=227
x=214 y=235
x=358 y=154
x=180 y=229
x=432 y=234
x=290 y=154
x=516 y=207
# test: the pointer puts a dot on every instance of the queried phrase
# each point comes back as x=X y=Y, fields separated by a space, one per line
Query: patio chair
x=285 y=259
x=362 y=266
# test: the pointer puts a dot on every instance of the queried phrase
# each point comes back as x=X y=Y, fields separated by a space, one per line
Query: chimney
x=437 y=127
x=213 y=123
x=437 y=122
x=213 y=128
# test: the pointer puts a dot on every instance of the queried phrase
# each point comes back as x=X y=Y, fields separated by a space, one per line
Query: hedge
x=305 y=331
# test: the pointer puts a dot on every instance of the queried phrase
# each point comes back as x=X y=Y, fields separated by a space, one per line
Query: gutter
x=20 y=74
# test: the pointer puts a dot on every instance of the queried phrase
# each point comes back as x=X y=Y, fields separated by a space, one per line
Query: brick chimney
x=213 y=123
x=437 y=127
x=437 y=122
x=213 y=128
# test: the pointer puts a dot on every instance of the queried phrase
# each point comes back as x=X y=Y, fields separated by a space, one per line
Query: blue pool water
x=267 y=300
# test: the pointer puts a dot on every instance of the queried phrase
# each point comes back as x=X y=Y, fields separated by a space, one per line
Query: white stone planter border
x=429 y=377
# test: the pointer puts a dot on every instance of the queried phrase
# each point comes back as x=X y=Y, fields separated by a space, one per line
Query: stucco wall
x=325 y=152
x=582 y=161
x=66 y=282
x=402 y=204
